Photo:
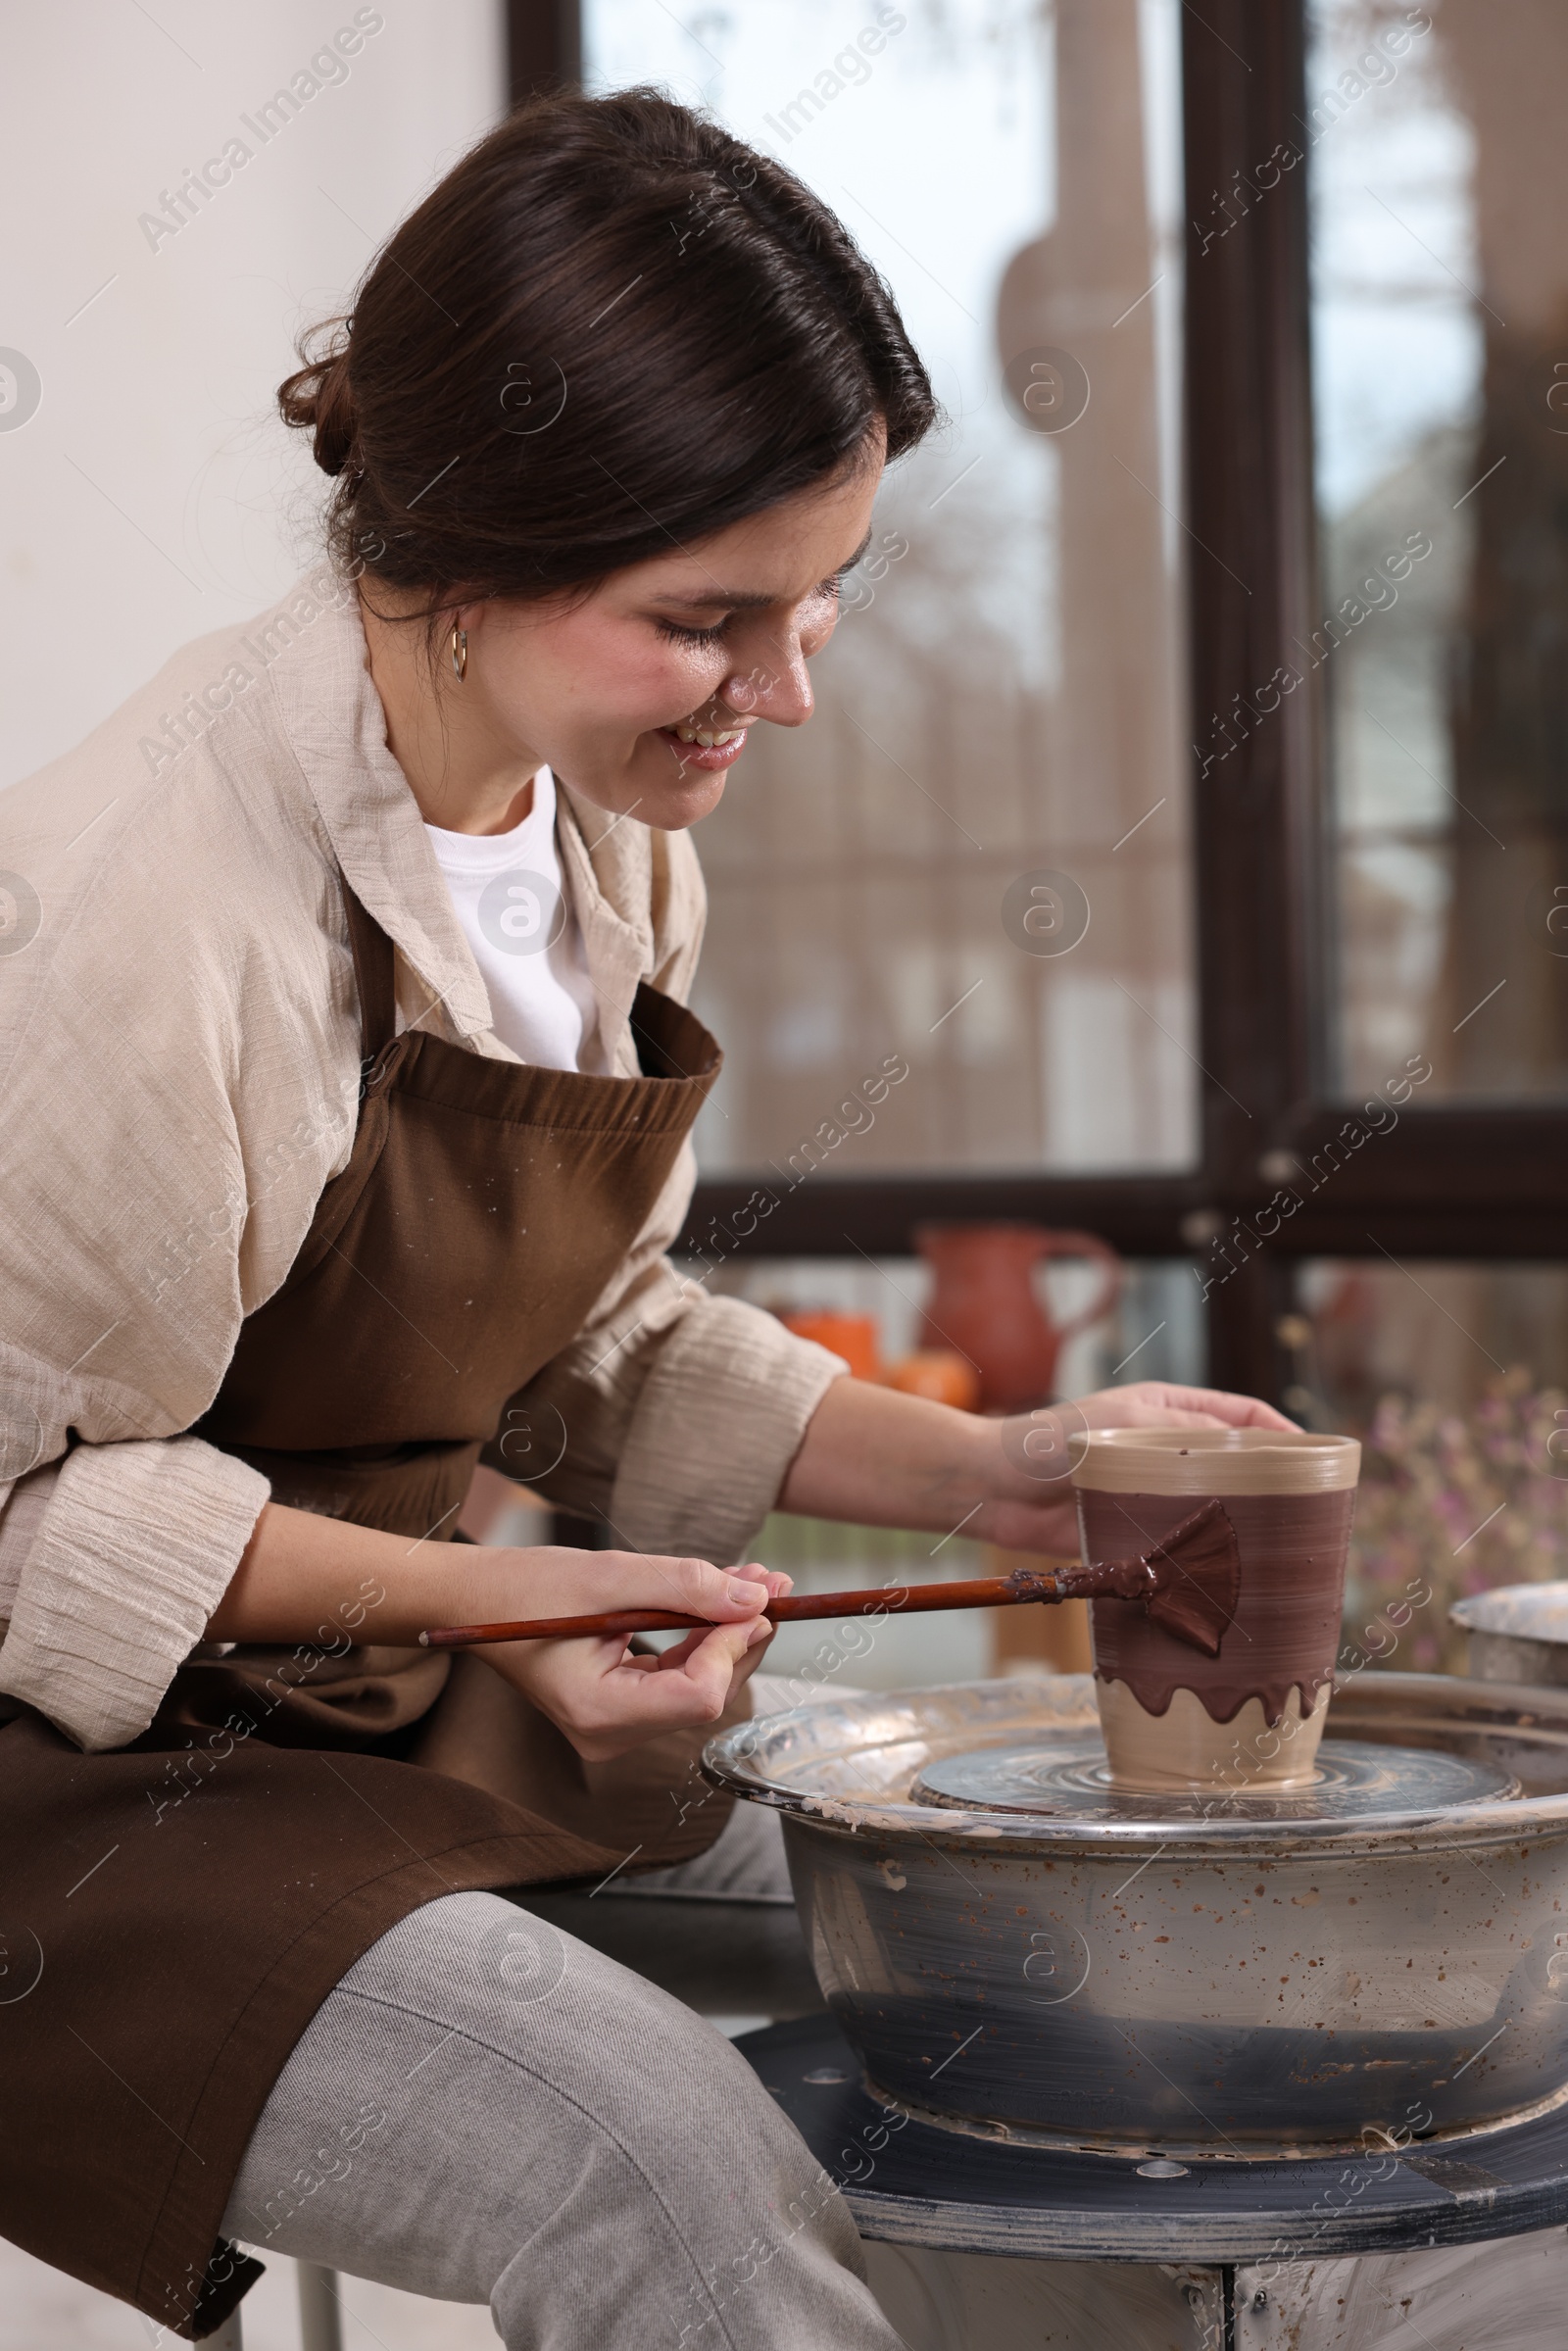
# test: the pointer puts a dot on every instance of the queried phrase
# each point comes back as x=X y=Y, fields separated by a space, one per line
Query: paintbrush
x=1189 y=1583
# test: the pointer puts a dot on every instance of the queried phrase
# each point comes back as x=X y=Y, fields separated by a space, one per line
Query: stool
x=321 y=2314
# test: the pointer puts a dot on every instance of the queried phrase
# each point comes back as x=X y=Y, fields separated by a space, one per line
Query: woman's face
x=617 y=690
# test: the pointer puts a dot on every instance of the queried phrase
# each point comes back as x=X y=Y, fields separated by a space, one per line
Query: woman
x=348 y=1083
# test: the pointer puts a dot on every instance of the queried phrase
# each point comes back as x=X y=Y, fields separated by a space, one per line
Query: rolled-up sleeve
x=158 y=1165
x=717 y=1421
x=133 y=1548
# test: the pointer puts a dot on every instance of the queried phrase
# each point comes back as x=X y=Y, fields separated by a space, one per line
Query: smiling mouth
x=707 y=747
x=709 y=737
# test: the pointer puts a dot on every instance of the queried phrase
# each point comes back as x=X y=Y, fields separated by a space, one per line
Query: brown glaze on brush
x=1189 y=1581
x=1287 y=1622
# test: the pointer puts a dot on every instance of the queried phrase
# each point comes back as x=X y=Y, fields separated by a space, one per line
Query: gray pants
x=487 y=2110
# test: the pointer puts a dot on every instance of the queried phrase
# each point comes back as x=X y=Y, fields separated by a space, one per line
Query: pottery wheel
x=1068 y=1779
x=918 y=2185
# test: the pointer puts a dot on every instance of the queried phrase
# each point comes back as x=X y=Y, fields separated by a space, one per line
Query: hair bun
x=320 y=399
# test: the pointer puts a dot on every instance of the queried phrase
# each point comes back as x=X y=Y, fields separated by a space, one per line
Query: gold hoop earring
x=459 y=653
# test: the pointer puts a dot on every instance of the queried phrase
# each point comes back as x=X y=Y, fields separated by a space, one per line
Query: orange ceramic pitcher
x=984 y=1304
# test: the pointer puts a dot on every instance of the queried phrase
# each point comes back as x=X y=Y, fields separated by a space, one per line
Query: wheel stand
x=1456 y=2243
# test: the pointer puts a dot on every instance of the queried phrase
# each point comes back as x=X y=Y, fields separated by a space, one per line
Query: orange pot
x=982 y=1301
x=854 y=1337
x=940 y=1373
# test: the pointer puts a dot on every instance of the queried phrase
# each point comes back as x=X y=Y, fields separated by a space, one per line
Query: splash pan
x=1013 y=1945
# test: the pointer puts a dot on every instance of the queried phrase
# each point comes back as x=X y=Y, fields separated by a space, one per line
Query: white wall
x=153 y=496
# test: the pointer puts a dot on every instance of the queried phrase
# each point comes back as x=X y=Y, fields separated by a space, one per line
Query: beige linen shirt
x=179 y=1071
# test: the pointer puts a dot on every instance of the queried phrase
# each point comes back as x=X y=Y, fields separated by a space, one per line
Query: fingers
x=1251 y=1413
x=607 y=1701
x=775 y=1582
x=1216 y=1408
x=606 y=1704
x=717 y=1671
x=551 y=1581
x=691 y=1586
x=1163 y=1405
x=1146 y=1415
x=708 y=1660
x=745 y=1666
x=721 y=1594
x=680 y=1652
x=690 y=1685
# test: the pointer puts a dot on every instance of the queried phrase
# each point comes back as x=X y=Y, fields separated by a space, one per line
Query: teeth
x=707 y=737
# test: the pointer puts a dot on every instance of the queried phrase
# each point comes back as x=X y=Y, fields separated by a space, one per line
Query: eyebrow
x=747 y=600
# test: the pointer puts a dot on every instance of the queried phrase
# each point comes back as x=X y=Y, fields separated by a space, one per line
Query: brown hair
x=611 y=330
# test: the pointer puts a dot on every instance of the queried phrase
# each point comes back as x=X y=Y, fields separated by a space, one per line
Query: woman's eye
x=677 y=635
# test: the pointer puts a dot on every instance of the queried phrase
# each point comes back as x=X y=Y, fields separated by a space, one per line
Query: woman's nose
x=777 y=688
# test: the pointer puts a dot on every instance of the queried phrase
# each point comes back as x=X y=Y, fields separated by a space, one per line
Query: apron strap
x=372 y=976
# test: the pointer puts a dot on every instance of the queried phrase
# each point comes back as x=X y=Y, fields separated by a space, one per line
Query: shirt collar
x=336 y=726
x=606 y=870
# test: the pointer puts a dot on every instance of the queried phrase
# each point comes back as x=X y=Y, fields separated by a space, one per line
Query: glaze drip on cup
x=1171 y=1716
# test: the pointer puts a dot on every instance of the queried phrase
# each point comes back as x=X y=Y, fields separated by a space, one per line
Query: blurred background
x=1184 y=815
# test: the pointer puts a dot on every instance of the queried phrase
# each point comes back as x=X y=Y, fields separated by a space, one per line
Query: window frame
x=1446 y=1182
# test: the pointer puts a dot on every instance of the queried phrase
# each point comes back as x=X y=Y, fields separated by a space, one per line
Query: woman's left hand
x=1031 y=1505
x=879 y=1459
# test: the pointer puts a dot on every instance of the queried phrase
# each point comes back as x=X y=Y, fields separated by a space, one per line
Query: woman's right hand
x=603 y=1699
x=304 y=1577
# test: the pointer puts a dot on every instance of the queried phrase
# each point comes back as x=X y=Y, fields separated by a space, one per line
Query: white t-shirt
x=525 y=938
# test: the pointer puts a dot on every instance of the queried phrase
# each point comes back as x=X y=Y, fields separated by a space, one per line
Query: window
x=977 y=858
x=1342 y=919
x=1440 y=312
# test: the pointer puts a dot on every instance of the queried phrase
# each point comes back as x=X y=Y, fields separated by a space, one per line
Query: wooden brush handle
x=980 y=1592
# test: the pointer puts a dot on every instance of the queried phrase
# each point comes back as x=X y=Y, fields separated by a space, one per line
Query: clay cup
x=1251 y=1719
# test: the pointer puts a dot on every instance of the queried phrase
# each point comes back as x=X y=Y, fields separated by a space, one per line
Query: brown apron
x=174 y=1913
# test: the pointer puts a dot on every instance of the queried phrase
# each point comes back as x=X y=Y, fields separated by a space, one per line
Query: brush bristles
x=1198 y=1572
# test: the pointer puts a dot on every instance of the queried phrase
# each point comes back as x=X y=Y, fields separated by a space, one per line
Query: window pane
x=1155 y=1331
x=1456 y=1379
x=1439 y=172
x=1003 y=700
